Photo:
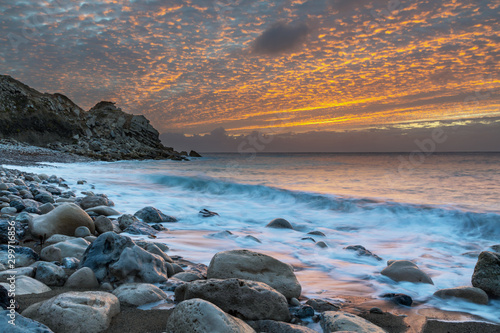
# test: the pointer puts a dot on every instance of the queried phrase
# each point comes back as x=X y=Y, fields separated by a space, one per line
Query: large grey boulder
x=152 y=215
x=62 y=220
x=470 y=294
x=72 y=312
x=486 y=274
x=197 y=315
x=249 y=265
x=22 y=324
x=333 y=321
x=404 y=270
x=139 y=293
x=116 y=258
x=248 y=300
x=50 y=274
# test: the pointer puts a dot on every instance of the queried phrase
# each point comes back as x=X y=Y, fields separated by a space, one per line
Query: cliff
x=104 y=132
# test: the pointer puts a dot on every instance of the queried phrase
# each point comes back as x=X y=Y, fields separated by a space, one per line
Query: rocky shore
x=53 y=121
x=66 y=266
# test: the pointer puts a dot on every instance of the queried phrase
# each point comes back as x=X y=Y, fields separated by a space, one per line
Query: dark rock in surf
x=279 y=223
x=152 y=215
x=486 y=274
x=401 y=299
x=362 y=251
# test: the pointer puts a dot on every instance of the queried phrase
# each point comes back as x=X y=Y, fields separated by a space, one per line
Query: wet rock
x=206 y=213
x=152 y=215
x=343 y=321
x=253 y=238
x=22 y=324
x=249 y=300
x=486 y=274
x=404 y=270
x=279 y=224
x=322 y=305
x=84 y=312
x=249 y=265
x=70 y=262
x=376 y=310
x=304 y=311
x=126 y=220
x=471 y=294
x=116 y=258
x=401 y=299
x=188 y=276
x=316 y=233
x=103 y=224
x=139 y=294
x=322 y=245
x=140 y=228
x=197 y=315
x=91 y=201
x=362 y=251
x=62 y=220
x=192 y=153
x=50 y=274
x=83 y=278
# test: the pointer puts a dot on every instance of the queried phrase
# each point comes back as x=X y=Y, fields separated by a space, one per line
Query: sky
x=282 y=68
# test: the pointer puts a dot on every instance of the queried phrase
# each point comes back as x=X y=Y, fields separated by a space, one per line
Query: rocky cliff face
x=104 y=132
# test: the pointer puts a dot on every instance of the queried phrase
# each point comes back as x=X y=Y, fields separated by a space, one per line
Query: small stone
x=82 y=232
x=316 y=233
x=83 y=278
x=50 y=274
x=376 y=310
x=322 y=244
x=401 y=299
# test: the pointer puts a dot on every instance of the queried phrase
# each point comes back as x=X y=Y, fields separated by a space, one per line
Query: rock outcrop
x=104 y=132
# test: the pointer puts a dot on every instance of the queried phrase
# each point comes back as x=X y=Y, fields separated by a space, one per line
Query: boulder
x=22 y=324
x=71 y=312
x=248 y=300
x=276 y=326
x=279 y=224
x=139 y=293
x=404 y=270
x=333 y=321
x=26 y=286
x=115 y=258
x=103 y=224
x=153 y=215
x=83 y=278
x=471 y=294
x=197 y=315
x=75 y=247
x=24 y=256
x=486 y=274
x=50 y=274
x=62 y=220
x=249 y=265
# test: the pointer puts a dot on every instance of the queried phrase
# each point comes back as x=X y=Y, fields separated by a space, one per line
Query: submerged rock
x=249 y=265
x=279 y=223
x=362 y=251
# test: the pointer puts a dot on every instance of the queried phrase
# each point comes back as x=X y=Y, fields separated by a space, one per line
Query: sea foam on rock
x=197 y=315
x=71 y=312
x=249 y=300
x=62 y=220
x=249 y=265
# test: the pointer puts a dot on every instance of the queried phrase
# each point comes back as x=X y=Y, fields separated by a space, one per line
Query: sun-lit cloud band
x=195 y=65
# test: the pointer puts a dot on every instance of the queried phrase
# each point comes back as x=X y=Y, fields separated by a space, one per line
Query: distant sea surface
x=439 y=210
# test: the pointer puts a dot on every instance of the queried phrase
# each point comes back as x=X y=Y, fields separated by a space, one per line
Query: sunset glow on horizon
x=326 y=65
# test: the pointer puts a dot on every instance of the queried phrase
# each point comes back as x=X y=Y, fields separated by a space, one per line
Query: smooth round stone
x=9 y=210
x=279 y=224
x=82 y=232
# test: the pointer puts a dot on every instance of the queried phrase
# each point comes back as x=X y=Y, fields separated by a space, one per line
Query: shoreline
x=394 y=318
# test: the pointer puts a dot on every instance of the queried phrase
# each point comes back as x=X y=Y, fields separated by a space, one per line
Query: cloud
x=281 y=37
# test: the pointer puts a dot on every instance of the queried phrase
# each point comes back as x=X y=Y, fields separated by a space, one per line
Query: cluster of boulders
x=104 y=132
x=77 y=243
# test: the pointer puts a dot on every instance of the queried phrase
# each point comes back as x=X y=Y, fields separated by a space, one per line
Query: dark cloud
x=281 y=37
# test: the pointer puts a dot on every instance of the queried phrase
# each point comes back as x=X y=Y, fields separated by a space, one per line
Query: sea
x=437 y=210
